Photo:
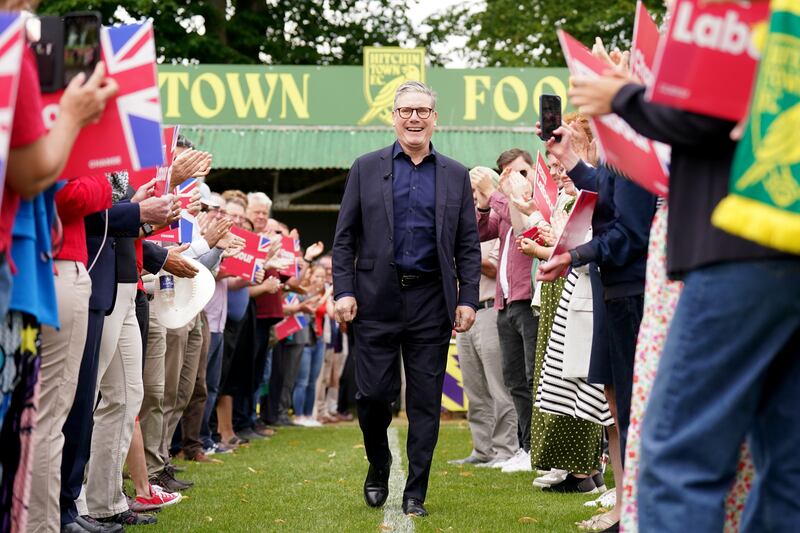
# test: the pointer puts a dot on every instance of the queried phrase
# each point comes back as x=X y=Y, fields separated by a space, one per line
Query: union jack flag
x=292 y=324
x=11 y=48
x=129 y=135
x=187 y=224
x=263 y=244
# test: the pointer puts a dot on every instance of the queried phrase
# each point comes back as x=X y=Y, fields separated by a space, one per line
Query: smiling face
x=414 y=133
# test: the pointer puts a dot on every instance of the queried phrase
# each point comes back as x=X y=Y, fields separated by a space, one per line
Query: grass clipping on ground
x=310 y=480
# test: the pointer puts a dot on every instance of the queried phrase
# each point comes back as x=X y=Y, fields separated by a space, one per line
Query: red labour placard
x=128 y=136
x=245 y=263
x=707 y=61
x=545 y=190
x=578 y=224
x=622 y=148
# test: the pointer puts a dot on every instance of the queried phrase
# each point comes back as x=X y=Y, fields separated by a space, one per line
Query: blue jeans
x=305 y=387
x=730 y=370
x=213 y=371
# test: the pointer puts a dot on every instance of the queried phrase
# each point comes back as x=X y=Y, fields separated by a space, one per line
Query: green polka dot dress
x=561 y=442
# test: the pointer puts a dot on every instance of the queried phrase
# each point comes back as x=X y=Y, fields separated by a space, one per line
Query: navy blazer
x=123 y=221
x=363 y=251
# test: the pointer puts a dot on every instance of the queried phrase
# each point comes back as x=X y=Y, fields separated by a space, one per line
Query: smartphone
x=49 y=51
x=81 y=44
x=550 y=109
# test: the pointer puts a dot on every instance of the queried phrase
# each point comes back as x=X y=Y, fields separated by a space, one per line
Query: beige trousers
x=491 y=414
x=62 y=351
x=151 y=415
x=180 y=373
x=119 y=383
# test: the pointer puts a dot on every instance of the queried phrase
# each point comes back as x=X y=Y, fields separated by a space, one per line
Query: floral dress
x=660 y=299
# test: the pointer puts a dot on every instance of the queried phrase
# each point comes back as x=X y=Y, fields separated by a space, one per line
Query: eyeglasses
x=422 y=112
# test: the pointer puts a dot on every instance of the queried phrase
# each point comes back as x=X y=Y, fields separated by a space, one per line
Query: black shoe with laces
x=129 y=518
x=168 y=482
x=573 y=484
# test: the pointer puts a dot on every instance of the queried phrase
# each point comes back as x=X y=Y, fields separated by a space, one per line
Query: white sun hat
x=191 y=296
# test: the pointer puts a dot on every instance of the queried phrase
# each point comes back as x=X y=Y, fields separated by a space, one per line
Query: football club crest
x=385 y=69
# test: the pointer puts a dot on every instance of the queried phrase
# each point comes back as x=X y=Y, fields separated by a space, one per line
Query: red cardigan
x=77 y=199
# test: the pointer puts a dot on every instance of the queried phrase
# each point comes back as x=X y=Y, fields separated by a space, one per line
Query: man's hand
x=189 y=164
x=145 y=191
x=177 y=265
x=552 y=269
x=562 y=149
x=483 y=183
x=271 y=284
x=194 y=206
x=84 y=103
x=314 y=251
x=259 y=277
x=216 y=230
x=465 y=317
x=160 y=210
x=593 y=96
x=345 y=309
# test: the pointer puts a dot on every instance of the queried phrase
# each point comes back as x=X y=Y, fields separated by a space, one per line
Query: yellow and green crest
x=385 y=69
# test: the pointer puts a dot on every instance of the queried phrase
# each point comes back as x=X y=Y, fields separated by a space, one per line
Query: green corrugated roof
x=283 y=148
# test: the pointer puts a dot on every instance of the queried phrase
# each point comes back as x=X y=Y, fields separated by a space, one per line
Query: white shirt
x=504 y=263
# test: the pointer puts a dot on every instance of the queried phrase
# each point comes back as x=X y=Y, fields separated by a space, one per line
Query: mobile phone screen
x=550 y=108
x=81 y=44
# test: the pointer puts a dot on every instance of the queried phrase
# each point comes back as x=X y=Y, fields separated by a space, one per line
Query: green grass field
x=310 y=480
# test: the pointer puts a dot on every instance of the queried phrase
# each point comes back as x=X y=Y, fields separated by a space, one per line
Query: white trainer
x=521 y=462
x=608 y=500
x=553 y=477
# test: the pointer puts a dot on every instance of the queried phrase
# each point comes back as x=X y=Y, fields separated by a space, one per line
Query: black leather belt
x=486 y=304
x=409 y=280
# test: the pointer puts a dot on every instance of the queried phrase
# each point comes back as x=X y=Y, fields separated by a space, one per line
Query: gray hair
x=415 y=87
x=259 y=198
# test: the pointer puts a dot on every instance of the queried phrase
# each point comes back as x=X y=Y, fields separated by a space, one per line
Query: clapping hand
x=314 y=251
x=145 y=191
x=189 y=164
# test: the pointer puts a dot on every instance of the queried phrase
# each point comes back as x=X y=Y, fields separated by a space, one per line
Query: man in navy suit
x=406 y=269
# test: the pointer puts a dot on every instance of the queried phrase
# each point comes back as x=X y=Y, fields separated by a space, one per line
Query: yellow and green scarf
x=764 y=200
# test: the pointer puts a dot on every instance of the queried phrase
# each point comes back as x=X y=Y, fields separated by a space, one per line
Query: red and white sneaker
x=159 y=498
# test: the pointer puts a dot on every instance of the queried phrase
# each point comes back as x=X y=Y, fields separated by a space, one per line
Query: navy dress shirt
x=414 y=190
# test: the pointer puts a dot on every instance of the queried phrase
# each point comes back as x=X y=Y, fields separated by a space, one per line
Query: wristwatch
x=147 y=229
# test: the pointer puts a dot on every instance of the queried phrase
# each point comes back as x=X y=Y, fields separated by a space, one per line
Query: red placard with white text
x=245 y=264
x=578 y=224
x=137 y=178
x=545 y=190
x=707 y=61
x=645 y=45
x=128 y=136
x=622 y=148
x=290 y=252
x=12 y=46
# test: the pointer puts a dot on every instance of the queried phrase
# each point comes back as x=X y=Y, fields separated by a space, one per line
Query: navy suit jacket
x=363 y=251
x=123 y=221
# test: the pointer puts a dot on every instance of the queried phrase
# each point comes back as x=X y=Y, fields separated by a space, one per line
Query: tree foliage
x=513 y=33
x=305 y=32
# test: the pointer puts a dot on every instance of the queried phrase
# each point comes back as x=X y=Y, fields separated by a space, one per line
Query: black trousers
x=518 y=330
x=421 y=332
x=78 y=427
x=624 y=315
x=285 y=362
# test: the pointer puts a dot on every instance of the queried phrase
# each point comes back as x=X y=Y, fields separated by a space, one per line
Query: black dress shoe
x=376 y=486
x=414 y=507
